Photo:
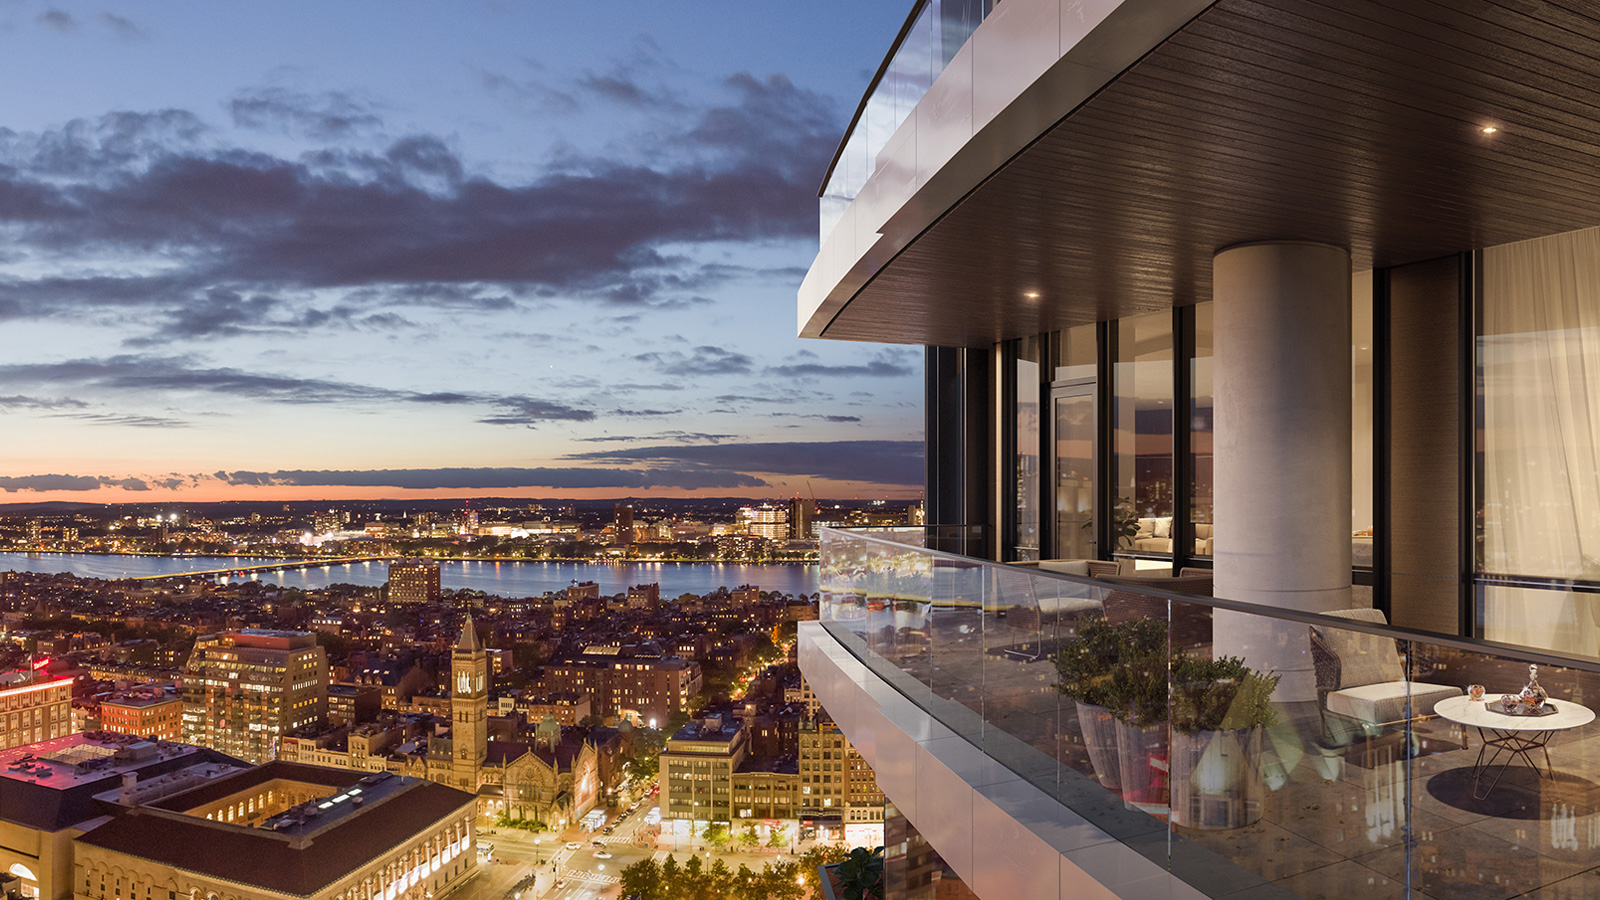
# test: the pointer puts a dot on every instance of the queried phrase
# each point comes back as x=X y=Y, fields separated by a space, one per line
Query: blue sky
x=404 y=249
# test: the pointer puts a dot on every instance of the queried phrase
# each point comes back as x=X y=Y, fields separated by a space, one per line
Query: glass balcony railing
x=1248 y=750
x=936 y=29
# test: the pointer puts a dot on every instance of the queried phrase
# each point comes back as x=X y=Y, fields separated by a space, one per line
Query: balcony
x=942 y=670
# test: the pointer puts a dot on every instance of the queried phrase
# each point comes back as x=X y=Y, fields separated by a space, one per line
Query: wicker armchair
x=1361 y=681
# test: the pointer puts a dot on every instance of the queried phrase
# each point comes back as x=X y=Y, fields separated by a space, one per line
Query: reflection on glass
x=940 y=30
x=1142 y=416
x=1539 y=433
x=1074 y=459
x=1026 y=545
x=1201 y=427
x=1361 y=388
x=1365 y=788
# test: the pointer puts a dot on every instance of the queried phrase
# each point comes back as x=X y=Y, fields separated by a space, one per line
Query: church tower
x=469 y=707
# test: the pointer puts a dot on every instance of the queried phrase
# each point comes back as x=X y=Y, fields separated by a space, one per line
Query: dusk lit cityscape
x=937 y=450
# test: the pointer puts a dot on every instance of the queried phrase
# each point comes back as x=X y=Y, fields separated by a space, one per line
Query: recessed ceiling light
x=1489 y=129
x=1032 y=295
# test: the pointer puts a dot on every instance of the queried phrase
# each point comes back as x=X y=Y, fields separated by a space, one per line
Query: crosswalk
x=596 y=877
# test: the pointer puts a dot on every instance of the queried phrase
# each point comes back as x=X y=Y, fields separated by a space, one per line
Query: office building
x=836 y=783
x=697 y=769
x=413 y=581
x=244 y=690
x=154 y=712
x=765 y=521
x=800 y=516
x=622 y=525
x=34 y=706
x=633 y=682
x=1284 y=301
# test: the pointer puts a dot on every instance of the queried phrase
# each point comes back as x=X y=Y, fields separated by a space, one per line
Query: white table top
x=1473 y=712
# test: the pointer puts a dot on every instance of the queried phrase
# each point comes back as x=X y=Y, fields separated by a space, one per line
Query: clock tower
x=469 y=707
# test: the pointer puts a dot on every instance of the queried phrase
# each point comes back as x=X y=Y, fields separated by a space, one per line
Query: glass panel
x=1539 y=365
x=1142 y=417
x=1026 y=476
x=1075 y=353
x=1199 y=737
x=1361 y=406
x=1201 y=427
x=1075 y=427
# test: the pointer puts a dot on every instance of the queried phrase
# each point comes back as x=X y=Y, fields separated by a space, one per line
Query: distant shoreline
x=442 y=559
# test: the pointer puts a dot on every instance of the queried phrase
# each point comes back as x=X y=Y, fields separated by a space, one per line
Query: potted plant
x=1136 y=697
x=1083 y=670
x=1219 y=709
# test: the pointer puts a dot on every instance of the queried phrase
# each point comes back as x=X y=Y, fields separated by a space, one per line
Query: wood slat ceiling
x=1343 y=121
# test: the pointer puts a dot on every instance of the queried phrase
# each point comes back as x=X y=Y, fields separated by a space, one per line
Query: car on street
x=574 y=845
x=602 y=854
x=608 y=829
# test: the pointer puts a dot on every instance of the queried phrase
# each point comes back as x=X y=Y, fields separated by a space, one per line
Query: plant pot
x=1142 y=754
x=1100 y=739
x=1216 y=778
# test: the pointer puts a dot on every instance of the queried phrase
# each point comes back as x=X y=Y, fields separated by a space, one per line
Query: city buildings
x=244 y=690
x=34 y=706
x=413 y=581
x=635 y=682
x=765 y=521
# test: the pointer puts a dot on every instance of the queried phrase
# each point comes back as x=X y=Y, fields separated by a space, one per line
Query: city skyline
x=400 y=251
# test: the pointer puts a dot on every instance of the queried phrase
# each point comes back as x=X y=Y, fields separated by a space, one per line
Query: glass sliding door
x=1073 y=437
x=1142 y=418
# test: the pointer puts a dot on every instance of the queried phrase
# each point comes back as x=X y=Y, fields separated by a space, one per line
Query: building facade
x=152 y=713
x=1232 y=292
x=641 y=686
x=244 y=690
x=34 y=706
x=283 y=830
x=413 y=581
x=697 y=769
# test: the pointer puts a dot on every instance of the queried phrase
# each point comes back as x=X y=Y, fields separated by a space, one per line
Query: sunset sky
x=385 y=249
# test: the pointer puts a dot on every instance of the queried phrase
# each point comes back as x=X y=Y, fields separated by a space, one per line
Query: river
x=506 y=579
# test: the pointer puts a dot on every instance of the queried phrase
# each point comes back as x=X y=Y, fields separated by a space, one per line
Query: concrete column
x=1282 y=451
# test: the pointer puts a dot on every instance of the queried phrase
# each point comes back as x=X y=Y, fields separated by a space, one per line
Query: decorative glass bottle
x=1534 y=696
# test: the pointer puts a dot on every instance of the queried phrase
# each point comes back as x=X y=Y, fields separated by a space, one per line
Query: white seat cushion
x=1385 y=701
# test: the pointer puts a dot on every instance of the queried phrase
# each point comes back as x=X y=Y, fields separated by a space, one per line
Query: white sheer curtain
x=1539 y=359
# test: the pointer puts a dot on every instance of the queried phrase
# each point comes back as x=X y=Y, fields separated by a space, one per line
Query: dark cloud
x=58 y=20
x=530 y=412
x=13 y=483
x=703 y=360
x=620 y=88
x=881 y=462
x=18 y=401
x=687 y=437
x=122 y=28
x=688 y=478
x=327 y=116
x=409 y=214
x=147 y=375
x=887 y=364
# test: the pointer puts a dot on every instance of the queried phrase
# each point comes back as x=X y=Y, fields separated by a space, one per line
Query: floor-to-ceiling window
x=1201 y=428
x=1142 y=434
x=1538 y=371
x=1362 y=386
x=1027 y=490
x=1074 y=428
